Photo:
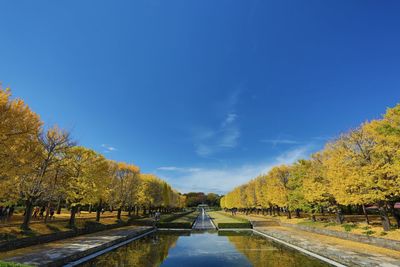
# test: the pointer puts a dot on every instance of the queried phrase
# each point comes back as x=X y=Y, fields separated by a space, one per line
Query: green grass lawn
x=183 y=222
x=221 y=217
x=224 y=220
x=187 y=218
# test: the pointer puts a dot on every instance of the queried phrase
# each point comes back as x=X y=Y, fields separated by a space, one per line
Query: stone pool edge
x=79 y=259
x=300 y=249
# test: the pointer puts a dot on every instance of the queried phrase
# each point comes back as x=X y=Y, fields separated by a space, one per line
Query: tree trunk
x=47 y=212
x=59 y=206
x=119 y=214
x=339 y=215
x=395 y=213
x=360 y=209
x=297 y=213
x=278 y=211
x=90 y=208
x=313 y=219
x=384 y=217
x=28 y=214
x=98 y=210
x=349 y=210
x=289 y=214
x=365 y=213
x=71 y=223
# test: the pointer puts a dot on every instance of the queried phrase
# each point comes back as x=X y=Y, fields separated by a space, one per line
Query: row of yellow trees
x=45 y=167
x=359 y=168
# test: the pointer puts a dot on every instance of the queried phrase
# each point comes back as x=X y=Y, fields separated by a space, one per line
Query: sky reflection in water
x=204 y=249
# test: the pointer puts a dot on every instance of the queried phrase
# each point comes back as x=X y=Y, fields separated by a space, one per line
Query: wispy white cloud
x=224 y=136
x=230 y=118
x=210 y=141
x=168 y=168
x=279 y=141
x=177 y=169
x=222 y=180
x=294 y=154
x=323 y=138
x=108 y=148
x=290 y=141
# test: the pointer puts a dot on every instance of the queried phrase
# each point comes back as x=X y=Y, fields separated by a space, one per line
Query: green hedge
x=175 y=216
x=7 y=237
x=93 y=225
x=241 y=225
x=175 y=225
x=12 y=264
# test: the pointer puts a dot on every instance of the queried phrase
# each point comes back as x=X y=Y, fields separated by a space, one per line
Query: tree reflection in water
x=148 y=251
x=263 y=252
x=223 y=248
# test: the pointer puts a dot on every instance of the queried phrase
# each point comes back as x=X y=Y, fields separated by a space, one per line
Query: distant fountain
x=203 y=221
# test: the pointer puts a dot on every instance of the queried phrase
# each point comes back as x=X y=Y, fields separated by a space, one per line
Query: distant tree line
x=193 y=199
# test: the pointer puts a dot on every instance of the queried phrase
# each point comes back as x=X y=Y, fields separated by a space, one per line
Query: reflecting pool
x=243 y=248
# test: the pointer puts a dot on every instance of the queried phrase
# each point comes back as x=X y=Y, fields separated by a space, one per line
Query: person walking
x=157 y=216
x=1 y=213
x=41 y=214
x=51 y=213
x=35 y=212
x=5 y=214
x=10 y=213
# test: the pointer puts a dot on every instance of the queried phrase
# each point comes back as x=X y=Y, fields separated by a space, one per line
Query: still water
x=210 y=249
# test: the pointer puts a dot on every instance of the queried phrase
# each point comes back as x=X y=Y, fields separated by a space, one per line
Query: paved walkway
x=203 y=222
x=346 y=252
x=60 y=252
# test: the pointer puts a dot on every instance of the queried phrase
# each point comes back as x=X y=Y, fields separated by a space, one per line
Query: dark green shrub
x=369 y=232
x=93 y=225
x=239 y=225
x=143 y=223
x=12 y=264
x=330 y=224
x=349 y=227
x=174 y=225
x=7 y=236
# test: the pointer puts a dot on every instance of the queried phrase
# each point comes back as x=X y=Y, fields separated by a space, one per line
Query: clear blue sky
x=206 y=94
